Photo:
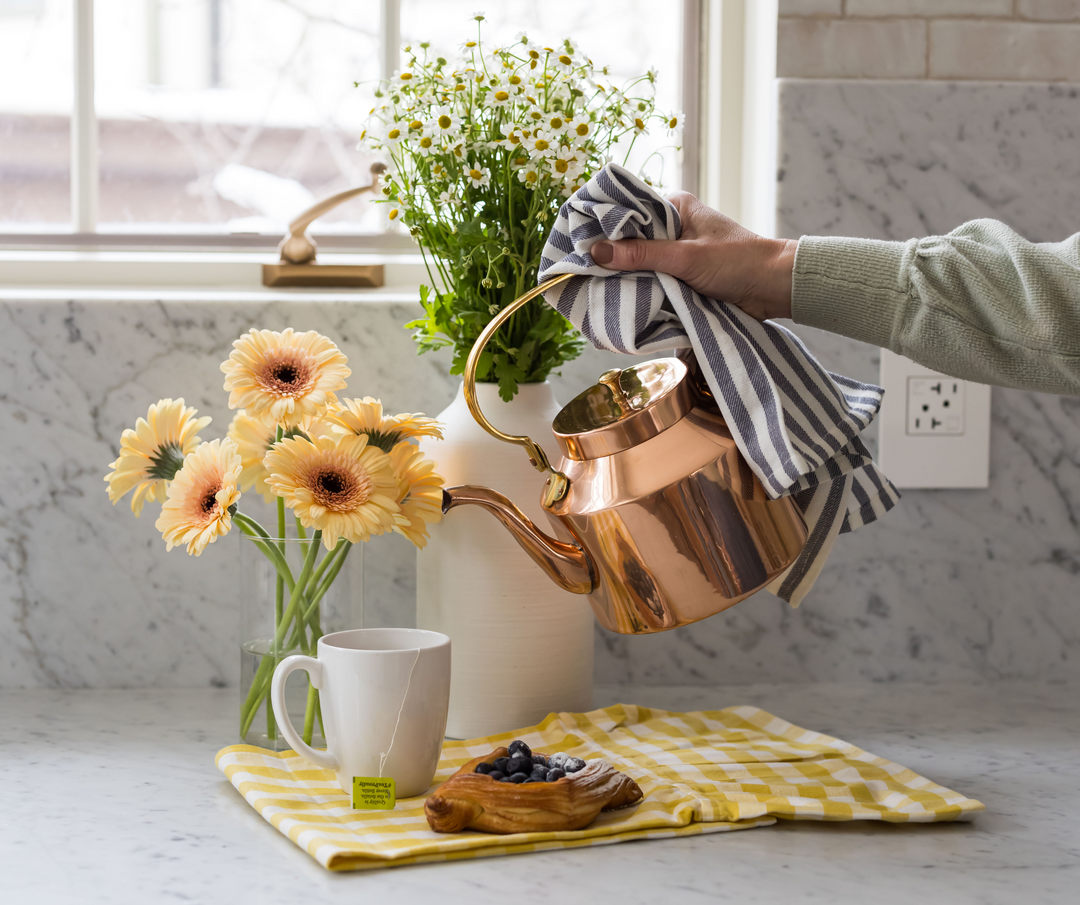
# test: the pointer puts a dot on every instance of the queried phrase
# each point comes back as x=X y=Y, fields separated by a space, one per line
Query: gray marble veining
x=113 y=797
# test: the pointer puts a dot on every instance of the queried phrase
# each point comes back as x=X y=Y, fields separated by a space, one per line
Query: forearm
x=981 y=303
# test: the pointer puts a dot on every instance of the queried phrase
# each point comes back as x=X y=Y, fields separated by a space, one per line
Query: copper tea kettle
x=658 y=518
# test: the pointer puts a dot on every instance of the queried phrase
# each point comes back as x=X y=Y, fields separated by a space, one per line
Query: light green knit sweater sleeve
x=980 y=303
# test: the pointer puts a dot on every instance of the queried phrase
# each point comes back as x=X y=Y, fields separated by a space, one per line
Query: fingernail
x=603 y=252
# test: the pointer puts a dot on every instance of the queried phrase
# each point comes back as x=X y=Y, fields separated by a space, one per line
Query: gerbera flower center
x=209 y=502
x=286 y=376
x=338 y=486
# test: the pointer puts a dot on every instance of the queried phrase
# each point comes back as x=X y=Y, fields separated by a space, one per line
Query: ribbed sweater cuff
x=853 y=287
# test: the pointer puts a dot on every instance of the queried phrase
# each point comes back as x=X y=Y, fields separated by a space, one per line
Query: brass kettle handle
x=558 y=484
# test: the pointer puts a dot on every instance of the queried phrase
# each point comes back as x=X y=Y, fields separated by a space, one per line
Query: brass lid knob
x=624 y=408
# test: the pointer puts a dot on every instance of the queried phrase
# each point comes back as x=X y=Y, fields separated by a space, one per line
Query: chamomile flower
x=424 y=144
x=479 y=15
x=674 y=124
x=396 y=133
x=401 y=78
x=500 y=97
x=579 y=128
x=556 y=123
x=529 y=174
x=564 y=61
x=565 y=164
x=443 y=121
x=540 y=143
x=478 y=176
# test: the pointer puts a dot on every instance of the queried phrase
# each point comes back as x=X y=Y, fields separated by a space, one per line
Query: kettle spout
x=568 y=565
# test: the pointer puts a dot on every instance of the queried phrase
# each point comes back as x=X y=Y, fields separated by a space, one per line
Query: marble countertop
x=112 y=796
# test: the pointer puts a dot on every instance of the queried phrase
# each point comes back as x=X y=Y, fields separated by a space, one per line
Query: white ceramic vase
x=523 y=647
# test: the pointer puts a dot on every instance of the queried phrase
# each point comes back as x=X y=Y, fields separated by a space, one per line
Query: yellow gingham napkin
x=702 y=772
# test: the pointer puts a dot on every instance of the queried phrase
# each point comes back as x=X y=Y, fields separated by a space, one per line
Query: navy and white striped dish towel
x=796 y=424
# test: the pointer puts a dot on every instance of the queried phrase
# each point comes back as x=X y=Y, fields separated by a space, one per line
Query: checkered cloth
x=796 y=424
x=706 y=772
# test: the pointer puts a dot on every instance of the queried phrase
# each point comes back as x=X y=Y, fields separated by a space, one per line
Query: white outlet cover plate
x=931 y=461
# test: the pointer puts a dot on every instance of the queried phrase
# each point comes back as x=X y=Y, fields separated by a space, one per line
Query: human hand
x=714 y=256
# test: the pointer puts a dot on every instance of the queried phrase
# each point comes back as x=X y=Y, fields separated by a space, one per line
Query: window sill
x=233 y=275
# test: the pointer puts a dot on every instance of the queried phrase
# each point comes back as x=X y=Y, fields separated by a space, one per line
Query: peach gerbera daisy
x=197 y=508
x=419 y=492
x=283 y=378
x=152 y=453
x=365 y=416
x=340 y=485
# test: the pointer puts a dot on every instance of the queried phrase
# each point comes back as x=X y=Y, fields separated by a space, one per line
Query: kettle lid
x=624 y=408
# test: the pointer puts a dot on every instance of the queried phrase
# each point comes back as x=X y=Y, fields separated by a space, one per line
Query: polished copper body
x=657 y=517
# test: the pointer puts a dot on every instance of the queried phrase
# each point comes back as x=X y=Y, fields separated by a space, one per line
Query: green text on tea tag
x=370 y=793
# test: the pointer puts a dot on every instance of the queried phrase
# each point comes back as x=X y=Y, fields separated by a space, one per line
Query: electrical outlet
x=935 y=405
x=934 y=430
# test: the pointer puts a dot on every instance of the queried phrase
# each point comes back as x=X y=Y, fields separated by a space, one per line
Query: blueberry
x=574 y=764
x=539 y=770
x=534 y=779
x=497 y=774
x=501 y=763
x=558 y=759
x=484 y=767
x=503 y=778
x=554 y=774
x=517 y=746
x=540 y=759
x=519 y=777
x=519 y=764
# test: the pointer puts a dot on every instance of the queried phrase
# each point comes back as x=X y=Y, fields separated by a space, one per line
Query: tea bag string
x=401 y=708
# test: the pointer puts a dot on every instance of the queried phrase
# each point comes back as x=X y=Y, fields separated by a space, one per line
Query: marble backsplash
x=953 y=585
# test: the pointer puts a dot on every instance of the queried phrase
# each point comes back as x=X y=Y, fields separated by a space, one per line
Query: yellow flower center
x=394 y=213
x=515 y=80
x=537 y=115
x=582 y=129
x=444 y=121
x=405 y=76
x=425 y=142
x=459 y=87
x=534 y=54
x=457 y=151
x=513 y=138
x=561 y=165
x=639 y=124
x=541 y=145
x=530 y=176
x=394 y=133
x=673 y=122
x=476 y=174
x=502 y=96
x=470 y=43
x=564 y=59
x=416 y=124
x=556 y=122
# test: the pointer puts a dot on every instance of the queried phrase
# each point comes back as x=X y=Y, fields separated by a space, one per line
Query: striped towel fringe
x=796 y=424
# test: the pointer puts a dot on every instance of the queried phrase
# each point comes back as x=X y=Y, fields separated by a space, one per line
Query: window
x=213 y=122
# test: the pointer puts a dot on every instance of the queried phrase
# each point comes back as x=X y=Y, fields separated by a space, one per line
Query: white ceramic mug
x=384 y=696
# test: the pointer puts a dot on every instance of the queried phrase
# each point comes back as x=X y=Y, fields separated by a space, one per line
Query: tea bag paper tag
x=370 y=793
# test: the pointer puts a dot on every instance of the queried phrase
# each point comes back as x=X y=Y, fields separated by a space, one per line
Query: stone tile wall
x=1006 y=40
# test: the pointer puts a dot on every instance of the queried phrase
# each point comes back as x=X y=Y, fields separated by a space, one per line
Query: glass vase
x=276 y=622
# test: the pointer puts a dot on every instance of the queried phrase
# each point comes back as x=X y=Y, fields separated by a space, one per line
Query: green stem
x=309 y=712
x=260 y=683
x=279 y=592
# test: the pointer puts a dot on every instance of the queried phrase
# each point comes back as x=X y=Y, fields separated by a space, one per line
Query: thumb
x=637 y=254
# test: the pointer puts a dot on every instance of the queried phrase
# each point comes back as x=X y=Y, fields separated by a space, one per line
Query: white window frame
x=714 y=35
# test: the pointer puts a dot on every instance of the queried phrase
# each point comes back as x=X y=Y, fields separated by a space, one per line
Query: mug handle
x=314 y=669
